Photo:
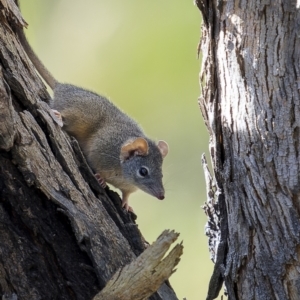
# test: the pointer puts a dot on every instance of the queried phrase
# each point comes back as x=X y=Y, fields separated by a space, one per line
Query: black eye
x=143 y=171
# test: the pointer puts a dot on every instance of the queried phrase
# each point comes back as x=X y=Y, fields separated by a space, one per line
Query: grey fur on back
x=104 y=126
x=90 y=108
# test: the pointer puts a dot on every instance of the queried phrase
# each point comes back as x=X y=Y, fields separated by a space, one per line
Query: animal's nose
x=161 y=197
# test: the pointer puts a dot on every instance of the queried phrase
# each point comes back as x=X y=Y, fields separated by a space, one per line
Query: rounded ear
x=163 y=148
x=139 y=146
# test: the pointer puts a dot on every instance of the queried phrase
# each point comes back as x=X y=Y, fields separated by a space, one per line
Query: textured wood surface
x=251 y=105
x=145 y=274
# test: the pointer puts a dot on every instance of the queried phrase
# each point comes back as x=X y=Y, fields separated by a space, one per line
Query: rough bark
x=62 y=236
x=251 y=105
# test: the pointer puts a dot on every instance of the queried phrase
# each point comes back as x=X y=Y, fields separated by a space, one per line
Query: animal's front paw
x=126 y=206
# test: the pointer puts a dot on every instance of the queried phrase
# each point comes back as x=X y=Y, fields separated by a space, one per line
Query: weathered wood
x=251 y=105
x=7 y=117
x=146 y=273
x=216 y=231
x=62 y=236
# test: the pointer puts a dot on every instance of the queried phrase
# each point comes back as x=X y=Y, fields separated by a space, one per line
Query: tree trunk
x=251 y=106
x=62 y=236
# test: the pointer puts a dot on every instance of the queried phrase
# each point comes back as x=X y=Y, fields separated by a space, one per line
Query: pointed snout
x=155 y=191
x=161 y=197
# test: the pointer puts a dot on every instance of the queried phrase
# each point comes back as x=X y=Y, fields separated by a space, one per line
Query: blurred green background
x=142 y=56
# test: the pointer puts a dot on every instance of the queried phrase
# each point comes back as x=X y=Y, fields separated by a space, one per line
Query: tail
x=47 y=76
